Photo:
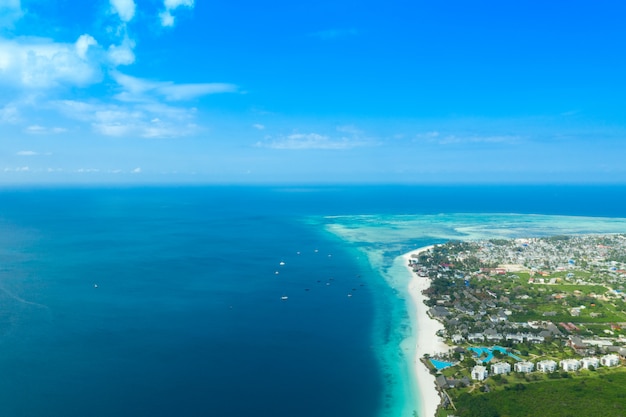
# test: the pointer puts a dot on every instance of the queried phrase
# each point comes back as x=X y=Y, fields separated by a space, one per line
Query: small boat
x=284 y=297
x=281 y=263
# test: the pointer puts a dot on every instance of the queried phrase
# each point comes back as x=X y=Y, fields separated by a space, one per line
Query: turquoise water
x=383 y=238
x=488 y=352
x=165 y=301
x=439 y=365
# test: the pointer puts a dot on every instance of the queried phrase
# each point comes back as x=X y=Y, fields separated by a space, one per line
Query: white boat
x=284 y=297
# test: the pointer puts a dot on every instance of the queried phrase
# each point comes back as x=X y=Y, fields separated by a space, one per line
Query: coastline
x=426 y=341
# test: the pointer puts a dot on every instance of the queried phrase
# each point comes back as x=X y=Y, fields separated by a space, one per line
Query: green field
x=600 y=393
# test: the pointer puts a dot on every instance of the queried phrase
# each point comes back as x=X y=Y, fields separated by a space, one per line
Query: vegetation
x=589 y=395
x=554 y=298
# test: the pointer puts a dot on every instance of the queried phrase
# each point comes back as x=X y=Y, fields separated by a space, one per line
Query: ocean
x=237 y=301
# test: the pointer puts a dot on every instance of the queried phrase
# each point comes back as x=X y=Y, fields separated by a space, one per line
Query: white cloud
x=136 y=171
x=122 y=54
x=36 y=129
x=144 y=119
x=177 y=92
x=439 y=138
x=9 y=114
x=42 y=63
x=258 y=126
x=167 y=19
x=133 y=87
x=124 y=8
x=32 y=153
x=138 y=89
x=173 y=4
x=428 y=136
x=300 y=141
x=346 y=137
x=82 y=45
x=10 y=12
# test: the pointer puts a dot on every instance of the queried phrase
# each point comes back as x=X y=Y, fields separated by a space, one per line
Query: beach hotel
x=524 y=367
x=479 y=372
x=546 y=366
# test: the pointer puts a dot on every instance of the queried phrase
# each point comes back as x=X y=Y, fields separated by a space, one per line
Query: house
x=524 y=367
x=495 y=337
x=438 y=312
x=492 y=335
x=479 y=372
x=443 y=382
x=546 y=366
x=577 y=344
x=499 y=368
x=591 y=362
x=570 y=365
x=476 y=337
x=518 y=338
x=609 y=360
x=535 y=338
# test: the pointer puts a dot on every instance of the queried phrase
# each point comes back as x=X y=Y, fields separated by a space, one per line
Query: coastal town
x=520 y=312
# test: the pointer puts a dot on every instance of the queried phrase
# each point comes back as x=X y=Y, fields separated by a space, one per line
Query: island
x=518 y=327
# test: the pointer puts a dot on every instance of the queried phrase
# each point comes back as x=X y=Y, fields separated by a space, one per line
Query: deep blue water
x=165 y=301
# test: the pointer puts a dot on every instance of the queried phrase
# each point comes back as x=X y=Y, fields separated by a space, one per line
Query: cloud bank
x=41 y=74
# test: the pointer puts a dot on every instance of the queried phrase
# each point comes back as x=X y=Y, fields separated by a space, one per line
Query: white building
x=570 y=365
x=524 y=367
x=609 y=360
x=479 y=372
x=499 y=368
x=475 y=337
x=590 y=362
x=546 y=366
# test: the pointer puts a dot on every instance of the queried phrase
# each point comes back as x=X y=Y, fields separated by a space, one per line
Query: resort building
x=609 y=360
x=546 y=366
x=479 y=372
x=588 y=363
x=475 y=337
x=500 y=368
x=524 y=367
x=535 y=339
x=570 y=365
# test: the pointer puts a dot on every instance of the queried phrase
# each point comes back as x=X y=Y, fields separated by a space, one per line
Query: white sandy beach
x=425 y=329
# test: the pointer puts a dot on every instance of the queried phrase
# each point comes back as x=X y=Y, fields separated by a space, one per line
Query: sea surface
x=237 y=301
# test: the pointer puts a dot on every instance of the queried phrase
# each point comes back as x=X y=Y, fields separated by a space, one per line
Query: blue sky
x=169 y=91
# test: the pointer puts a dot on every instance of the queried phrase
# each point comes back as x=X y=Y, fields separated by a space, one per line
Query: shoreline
x=426 y=341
